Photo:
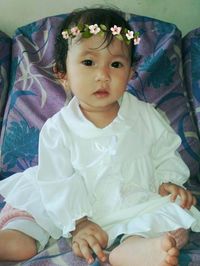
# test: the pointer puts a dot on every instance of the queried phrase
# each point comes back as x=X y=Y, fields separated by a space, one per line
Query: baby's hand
x=88 y=237
x=187 y=199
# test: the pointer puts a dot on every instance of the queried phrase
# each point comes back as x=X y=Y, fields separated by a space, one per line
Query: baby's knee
x=16 y=246
x=24 y=248
x=114 y=257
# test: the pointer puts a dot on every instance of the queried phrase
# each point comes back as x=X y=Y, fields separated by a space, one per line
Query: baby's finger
x=96 y=247
x=102 y=238
x=186 y=198
x=189 y=202
x=173 y=190
x=194 y=200
x=82 y=249
x=76 y=249
x=173 y=196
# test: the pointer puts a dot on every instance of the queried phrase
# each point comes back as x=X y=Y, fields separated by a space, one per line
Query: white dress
x=110 y=174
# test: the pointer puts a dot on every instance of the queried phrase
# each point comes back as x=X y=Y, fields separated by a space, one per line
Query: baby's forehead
x=97 y=44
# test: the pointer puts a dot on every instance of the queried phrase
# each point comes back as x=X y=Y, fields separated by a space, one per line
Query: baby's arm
x=187 y=199
x=89 y=237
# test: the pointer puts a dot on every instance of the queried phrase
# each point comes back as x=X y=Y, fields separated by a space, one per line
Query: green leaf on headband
x=136 y=34
x=86 y=34
x=81 y=27
x=119 y=36
x=103 y=27
x=101 y=33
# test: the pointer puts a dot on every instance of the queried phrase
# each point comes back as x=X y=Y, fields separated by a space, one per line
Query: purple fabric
x=160 y=81
x=191 y=60
x=5 y=59
x=36 y=94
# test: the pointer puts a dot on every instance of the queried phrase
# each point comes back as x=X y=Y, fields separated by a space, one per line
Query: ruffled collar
x=82 y=127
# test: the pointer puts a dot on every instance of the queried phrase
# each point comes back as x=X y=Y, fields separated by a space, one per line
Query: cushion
x=191 y=61
x=159 y=80
x=5 y=59
x=37 y=95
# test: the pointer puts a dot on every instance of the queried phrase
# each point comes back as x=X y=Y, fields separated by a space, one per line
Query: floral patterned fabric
x=160 y=80
x=5 y=59
x=191 y=61
x=36 y=95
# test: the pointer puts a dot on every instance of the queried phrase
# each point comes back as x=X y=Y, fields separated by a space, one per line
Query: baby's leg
x=16 y=246
x=181 y=236
x=137 y=251
x=19 y=235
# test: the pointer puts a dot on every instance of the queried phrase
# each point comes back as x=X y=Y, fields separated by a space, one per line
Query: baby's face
x=96 y=74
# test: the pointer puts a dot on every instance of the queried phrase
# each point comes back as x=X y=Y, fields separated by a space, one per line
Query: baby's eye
x=116 y=64
x=87 y=62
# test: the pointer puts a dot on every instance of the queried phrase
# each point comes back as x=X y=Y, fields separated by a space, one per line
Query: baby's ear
x=62 y=77
x=58 y=74
x=132 y=73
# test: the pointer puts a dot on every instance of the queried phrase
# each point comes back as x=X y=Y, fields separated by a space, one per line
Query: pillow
x=160 y=81
x=191 y=62
x=5 y=57
x=36 y=95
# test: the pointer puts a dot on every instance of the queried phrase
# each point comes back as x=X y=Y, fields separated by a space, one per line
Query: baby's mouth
x=102 y=93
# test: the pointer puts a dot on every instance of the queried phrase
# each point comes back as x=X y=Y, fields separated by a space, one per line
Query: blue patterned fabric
x=5 y=59
x=160 y=81
x=35 y=94
x=191 y=60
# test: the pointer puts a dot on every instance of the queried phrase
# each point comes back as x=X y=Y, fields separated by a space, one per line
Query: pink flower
x=94 y=29
x=65 y=34
x=75 y=31
x=129 y=35
x=115 y=30
x=136 y=40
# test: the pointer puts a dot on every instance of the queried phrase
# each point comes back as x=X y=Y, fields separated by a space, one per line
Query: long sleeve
x=62 y=190
x=168 y=165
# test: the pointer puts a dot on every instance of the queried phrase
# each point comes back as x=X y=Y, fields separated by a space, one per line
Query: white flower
x=136 y=40
x=129 y=35
x=65 y=34
x=116 y=30
x=94 y=29
x=75 y=31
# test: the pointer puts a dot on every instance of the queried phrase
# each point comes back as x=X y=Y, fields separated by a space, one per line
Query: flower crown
x=86 y=31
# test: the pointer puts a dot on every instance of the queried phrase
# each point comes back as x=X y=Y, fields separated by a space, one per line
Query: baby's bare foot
x=169 y=250
x=137 y=251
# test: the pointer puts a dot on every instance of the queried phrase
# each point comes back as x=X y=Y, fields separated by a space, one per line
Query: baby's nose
x=102 y=74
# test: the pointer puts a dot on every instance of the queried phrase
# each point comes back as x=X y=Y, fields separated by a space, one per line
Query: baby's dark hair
x=90 y=16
